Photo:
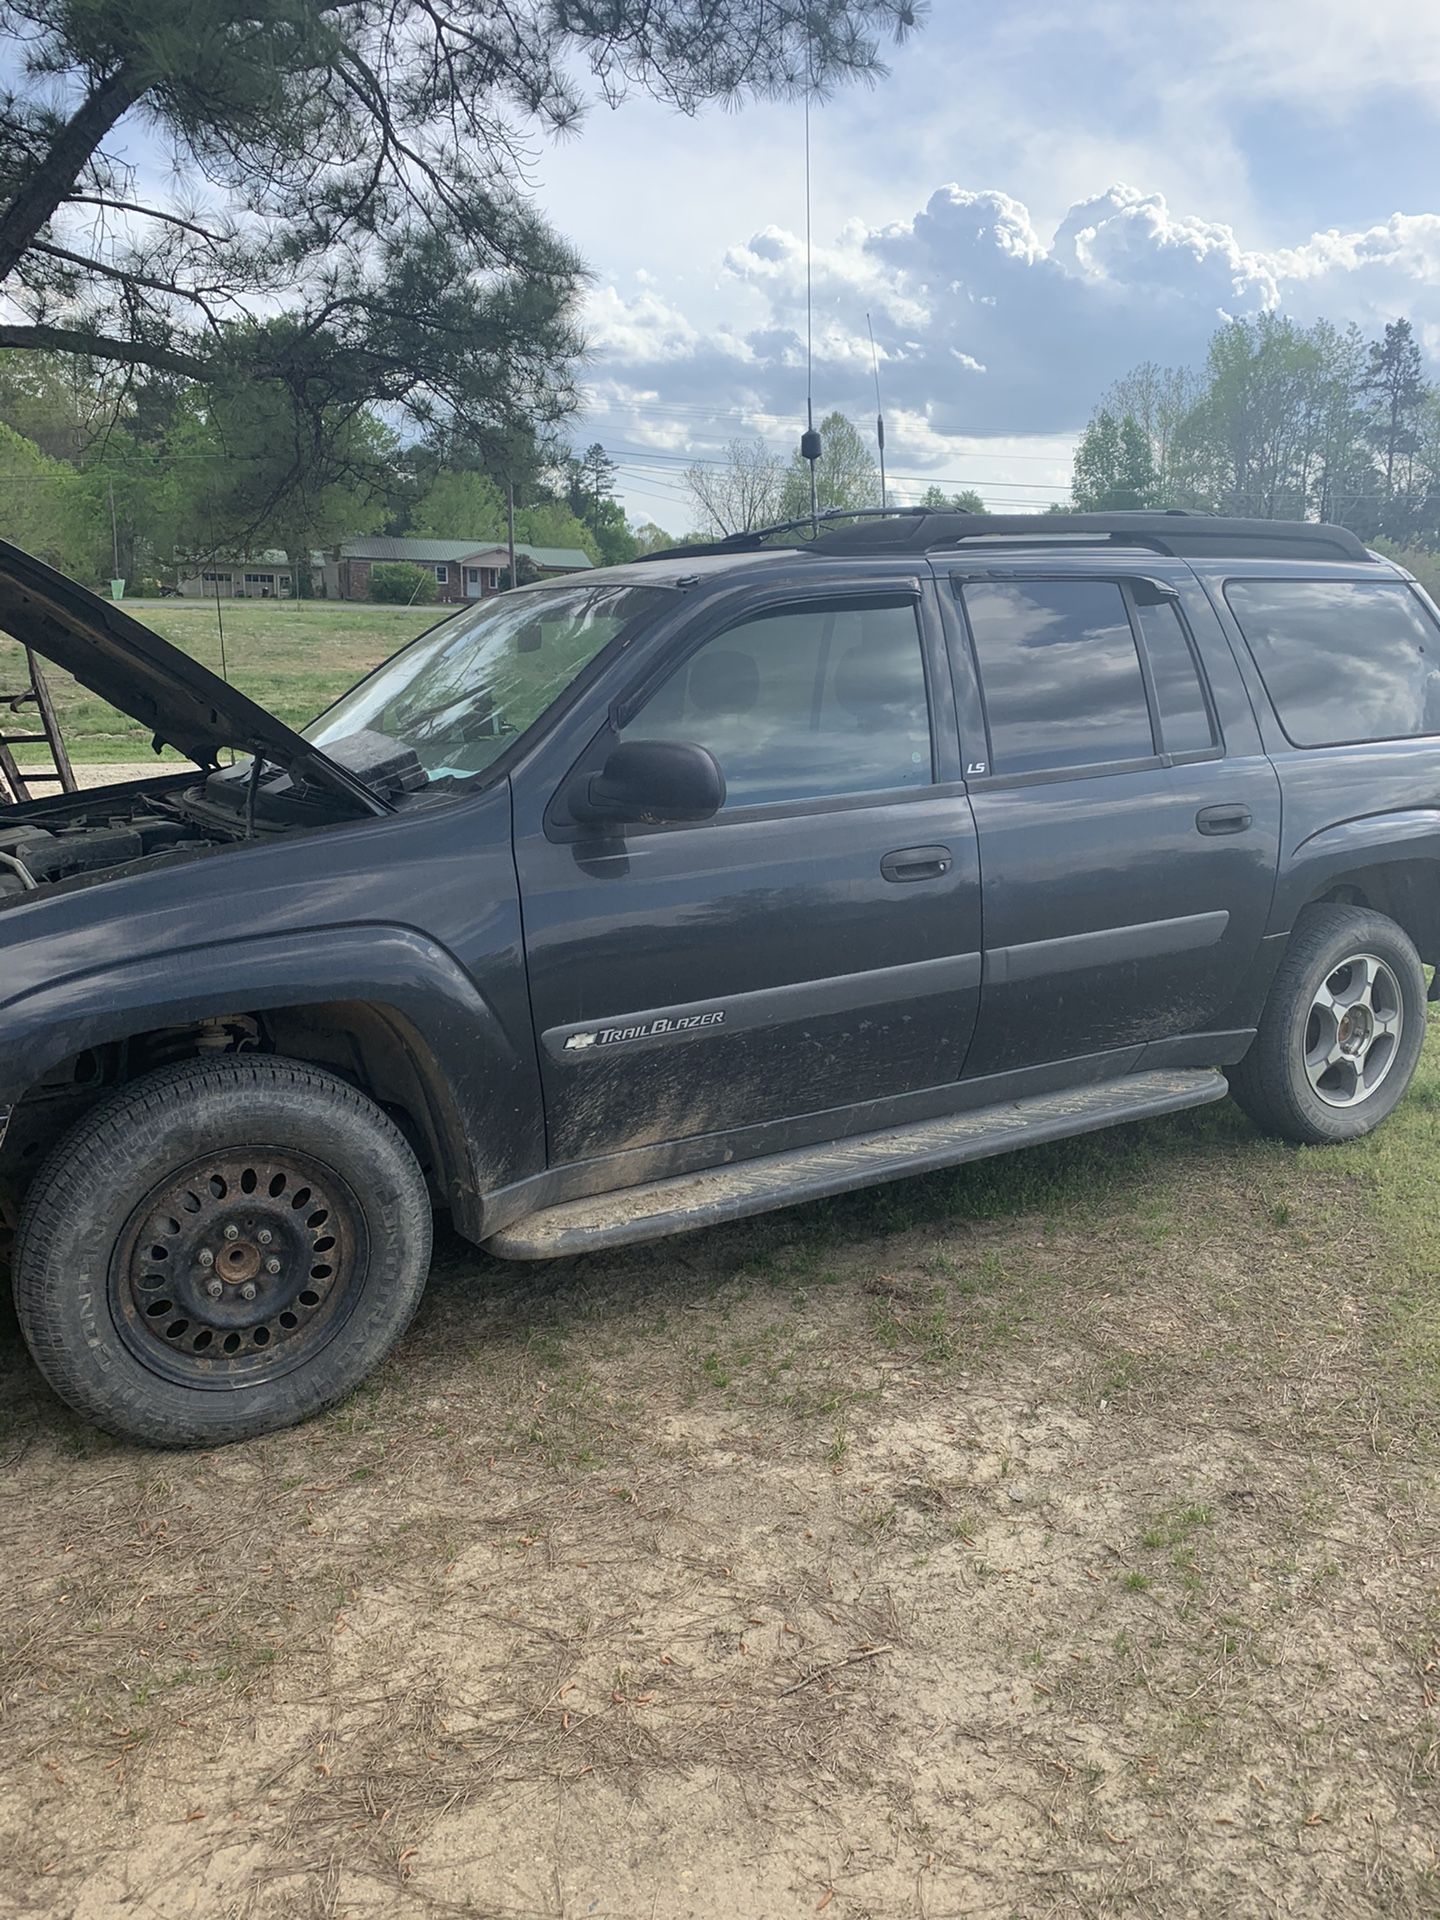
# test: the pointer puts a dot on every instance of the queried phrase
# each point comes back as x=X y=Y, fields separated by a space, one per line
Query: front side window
x=809 y=703
x=1059 y=673
x=442 y=574
x=1343 y=660
x=467 y=690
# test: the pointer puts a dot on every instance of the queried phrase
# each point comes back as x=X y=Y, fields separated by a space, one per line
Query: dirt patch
x=1061 y=1547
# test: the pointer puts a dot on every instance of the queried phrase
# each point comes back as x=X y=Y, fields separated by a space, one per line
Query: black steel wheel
x=219 y=1249
x=239 y=1267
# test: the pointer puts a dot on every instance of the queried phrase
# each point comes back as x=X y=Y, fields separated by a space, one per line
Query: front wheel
x=1342 y=1029
x=220 y=1249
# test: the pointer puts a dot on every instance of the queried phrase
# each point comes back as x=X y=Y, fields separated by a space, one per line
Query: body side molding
x=1070 y=952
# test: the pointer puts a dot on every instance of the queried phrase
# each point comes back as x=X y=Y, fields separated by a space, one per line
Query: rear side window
x=1343 y=660
x=803 y=704
x=1060 y=674
x=1185 y=723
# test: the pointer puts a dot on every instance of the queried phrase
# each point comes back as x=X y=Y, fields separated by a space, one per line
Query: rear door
x=812 y=950
x=1128 y=839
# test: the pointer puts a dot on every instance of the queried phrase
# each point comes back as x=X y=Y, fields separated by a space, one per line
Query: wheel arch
x=384 y=1008
x=1405 y=891
x=1389 y=863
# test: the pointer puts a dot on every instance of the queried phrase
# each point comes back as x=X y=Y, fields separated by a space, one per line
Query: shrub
x=400 y=584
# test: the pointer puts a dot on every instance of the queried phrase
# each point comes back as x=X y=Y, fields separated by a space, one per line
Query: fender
x=480 y=1081
x=1334 y=853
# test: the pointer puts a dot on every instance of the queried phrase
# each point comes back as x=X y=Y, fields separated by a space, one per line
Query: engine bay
x=79 y=839
x=95 y=837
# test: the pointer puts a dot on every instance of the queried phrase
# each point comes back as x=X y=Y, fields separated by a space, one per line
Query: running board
x=685 y=1201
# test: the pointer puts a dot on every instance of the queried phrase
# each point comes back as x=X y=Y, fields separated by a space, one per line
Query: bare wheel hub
x=239 y=1262
x=243 y=1263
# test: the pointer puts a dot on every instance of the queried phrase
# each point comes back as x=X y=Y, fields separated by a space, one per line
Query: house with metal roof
x=265 y=575
x=463 y=569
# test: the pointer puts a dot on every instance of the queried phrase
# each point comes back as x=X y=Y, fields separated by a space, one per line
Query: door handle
x=917 y=863
x=1232 y=819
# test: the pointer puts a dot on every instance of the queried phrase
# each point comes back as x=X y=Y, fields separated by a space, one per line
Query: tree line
x=103 y=473
x=1281 y=422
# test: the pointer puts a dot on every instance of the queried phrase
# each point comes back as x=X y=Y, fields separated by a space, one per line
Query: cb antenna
x=810 y=439
x=879 y=412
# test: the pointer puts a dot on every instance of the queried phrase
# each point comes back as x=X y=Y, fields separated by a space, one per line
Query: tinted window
x=1343 y=659
x=1060 y=674
x=1185 y=725
x=803 y=704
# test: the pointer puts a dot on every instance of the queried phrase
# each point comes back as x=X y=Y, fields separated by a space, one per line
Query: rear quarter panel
x=1343 y=808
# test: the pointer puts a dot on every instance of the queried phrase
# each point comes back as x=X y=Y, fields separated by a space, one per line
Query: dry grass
x=1058 y=1537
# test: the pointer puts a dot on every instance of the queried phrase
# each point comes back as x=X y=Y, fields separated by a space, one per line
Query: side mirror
x=653 y=780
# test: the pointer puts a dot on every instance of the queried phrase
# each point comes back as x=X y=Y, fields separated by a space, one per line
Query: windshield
x=465 y=691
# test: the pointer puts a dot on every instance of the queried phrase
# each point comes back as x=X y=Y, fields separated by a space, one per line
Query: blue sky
x=1038 y=197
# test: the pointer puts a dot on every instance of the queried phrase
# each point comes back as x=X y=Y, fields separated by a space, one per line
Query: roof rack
x=755 y=537
x=1176 y=530
x=1180 y=531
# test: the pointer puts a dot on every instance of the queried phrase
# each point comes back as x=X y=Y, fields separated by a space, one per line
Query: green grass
x=294 y=658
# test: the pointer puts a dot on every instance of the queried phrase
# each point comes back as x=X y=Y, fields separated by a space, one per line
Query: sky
x=1037 y=198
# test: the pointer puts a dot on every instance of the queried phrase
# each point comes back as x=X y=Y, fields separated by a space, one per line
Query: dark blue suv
x=740 y=876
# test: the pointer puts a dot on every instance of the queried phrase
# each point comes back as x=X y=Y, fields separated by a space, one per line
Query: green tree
x=1395 y=380
x=57 y=400
x=459 y=506
x=1114 y=468
x=242 y=474
x=590 y=495
x=652 y=539
x=550 y=523
x=1255 y=440
x=357 y=163
x=32 y=498
x=398 y=583
x=525 y=571
x=966 y=500
x=1159 y=399
x=846 y=474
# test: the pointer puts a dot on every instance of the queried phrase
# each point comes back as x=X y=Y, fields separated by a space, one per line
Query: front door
x=1129 y=851
x=815 y=946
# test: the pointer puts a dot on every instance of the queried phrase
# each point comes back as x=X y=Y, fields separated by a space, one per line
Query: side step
x=684 y=1201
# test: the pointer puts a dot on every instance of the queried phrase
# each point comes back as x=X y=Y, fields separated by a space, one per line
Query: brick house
x=463 y=569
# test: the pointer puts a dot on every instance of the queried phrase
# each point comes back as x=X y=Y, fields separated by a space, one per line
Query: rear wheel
x=1341 y=1032
x=220 y=1249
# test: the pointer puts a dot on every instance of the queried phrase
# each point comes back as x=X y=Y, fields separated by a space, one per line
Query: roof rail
x=1176 y=530
x=754 y=537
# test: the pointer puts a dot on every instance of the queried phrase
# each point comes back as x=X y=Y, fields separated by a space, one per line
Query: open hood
x=178 y=702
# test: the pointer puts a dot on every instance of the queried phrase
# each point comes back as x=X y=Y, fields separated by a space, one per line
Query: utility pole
x=510 y=526
x=114 y=531
x=879 y=413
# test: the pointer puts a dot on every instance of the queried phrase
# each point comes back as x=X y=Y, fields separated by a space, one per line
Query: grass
x=293 y=657
x=1055 y=1536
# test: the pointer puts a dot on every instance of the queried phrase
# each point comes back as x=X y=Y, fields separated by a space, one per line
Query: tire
x=220 y=1249
x=1283 y=1082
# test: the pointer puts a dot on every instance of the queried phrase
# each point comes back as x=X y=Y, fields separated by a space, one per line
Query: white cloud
x=985 y=327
